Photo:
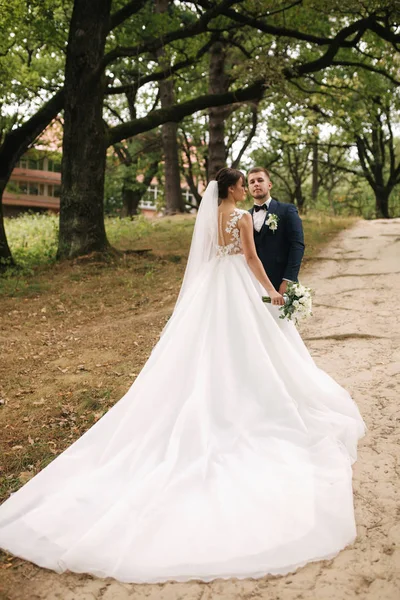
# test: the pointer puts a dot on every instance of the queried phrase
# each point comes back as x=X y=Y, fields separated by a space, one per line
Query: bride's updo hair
x=227 y=177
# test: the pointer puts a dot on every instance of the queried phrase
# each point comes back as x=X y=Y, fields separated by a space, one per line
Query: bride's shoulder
x=240 y=212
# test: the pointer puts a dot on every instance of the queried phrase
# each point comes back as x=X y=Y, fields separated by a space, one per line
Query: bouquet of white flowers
x=298 y=302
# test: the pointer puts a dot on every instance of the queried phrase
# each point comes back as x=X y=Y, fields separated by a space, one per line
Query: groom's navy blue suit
x=281 y=251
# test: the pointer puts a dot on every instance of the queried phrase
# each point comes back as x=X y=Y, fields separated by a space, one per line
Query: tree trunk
x=382 y=195
x=84 y=145
x=299 y=197
x=130 y=201
x=172 y=189
x=131 y=196
x=375 y=173
x=6 y=259
x=218 y=84
x=330 y=200
x=254 y=110
x=169 y=134
x=193 y=189
x=315 y=177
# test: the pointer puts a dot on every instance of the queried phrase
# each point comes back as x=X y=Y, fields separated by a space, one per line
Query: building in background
x=35 y=184
x=149 y=202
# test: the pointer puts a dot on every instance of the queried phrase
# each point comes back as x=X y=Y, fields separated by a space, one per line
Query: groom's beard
x=261 y=198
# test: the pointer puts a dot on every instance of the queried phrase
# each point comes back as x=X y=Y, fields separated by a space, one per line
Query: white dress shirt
x=260 y=215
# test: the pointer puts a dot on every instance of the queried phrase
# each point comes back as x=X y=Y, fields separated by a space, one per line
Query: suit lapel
x=272 y=207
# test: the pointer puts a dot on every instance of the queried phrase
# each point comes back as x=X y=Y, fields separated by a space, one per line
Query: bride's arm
x=249 y=249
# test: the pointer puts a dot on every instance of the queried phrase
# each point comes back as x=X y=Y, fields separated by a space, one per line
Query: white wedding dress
x=230 y=455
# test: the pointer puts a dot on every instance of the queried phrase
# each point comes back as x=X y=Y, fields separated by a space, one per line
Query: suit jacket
x=281 y=251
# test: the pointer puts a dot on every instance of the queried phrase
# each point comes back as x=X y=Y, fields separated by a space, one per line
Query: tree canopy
x=338 y=60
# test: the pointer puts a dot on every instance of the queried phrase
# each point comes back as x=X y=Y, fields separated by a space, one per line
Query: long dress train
x=230 y=455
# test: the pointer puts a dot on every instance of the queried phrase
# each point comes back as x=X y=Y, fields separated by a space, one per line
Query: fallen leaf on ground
x=25 y=476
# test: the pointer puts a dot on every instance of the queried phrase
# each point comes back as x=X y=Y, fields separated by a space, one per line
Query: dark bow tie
x=262 y=207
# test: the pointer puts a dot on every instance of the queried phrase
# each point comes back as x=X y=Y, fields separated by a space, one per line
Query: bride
x=230 y=455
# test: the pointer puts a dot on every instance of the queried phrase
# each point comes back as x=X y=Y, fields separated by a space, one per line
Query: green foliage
x=32 y=60
x=129 y=168
x=193 y=155
x=32 y=55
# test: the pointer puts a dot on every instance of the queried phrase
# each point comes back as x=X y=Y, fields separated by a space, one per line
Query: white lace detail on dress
x=234 y=245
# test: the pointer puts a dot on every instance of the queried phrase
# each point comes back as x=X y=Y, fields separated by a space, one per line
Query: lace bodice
x=229 y=234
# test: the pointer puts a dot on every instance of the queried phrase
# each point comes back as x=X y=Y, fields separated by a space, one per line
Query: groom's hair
x=258 y=170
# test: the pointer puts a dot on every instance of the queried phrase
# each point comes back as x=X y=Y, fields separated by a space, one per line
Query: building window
x=54 y=191
x=31 y=163
x=12 y=187
x=33 y=189
x=36 y=164
x=188 y=197
x=149 y=198
x=54 y=165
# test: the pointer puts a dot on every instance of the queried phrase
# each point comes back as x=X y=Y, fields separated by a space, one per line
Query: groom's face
x=259 y=185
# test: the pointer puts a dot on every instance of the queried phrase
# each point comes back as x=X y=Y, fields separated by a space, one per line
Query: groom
x=278 y=231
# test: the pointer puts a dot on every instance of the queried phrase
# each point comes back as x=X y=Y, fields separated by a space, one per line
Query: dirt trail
x=355 y=337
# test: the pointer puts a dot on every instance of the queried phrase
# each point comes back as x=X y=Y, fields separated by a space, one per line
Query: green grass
x=320 y=229
x=33 y=242
x=33 y=237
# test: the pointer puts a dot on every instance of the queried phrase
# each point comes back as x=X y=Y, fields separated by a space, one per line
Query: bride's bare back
x=228 y=232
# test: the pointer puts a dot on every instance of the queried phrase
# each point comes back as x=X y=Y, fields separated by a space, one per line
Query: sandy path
x=355 y=336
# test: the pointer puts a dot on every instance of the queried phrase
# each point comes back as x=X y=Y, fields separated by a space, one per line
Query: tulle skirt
x=230 y=455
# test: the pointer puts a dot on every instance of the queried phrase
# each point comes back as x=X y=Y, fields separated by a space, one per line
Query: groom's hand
x=283 y=287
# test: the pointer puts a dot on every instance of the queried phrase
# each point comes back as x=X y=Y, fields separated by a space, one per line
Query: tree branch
x=306 y=91
x=256 y=23
x=162 y=74
x=154 y=44
x=349 y=63
x=284 y=181
x=125 y=12
x=284 y=9
x=362 y=157
x=392 y=156
x=386 y=33
x=327 y=58
x=252 y=132
x=177 y=112
x=17 y=140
